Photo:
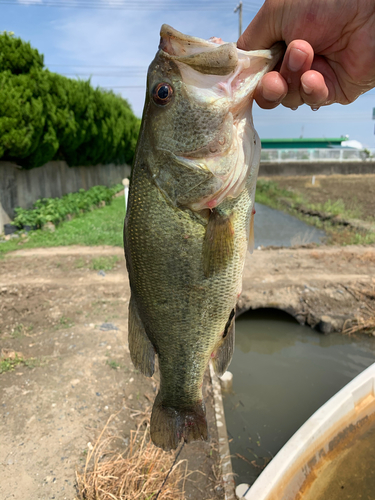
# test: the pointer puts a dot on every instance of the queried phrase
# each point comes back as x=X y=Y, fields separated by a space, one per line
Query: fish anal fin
x=223 y=354
x=142 y=352
x=251 y=232
x=218 y=244
x=169 y=426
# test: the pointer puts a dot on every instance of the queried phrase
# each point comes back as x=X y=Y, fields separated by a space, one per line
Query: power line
x=130 y=68
x=105 y=75
x=129 y=5
x=123 y=87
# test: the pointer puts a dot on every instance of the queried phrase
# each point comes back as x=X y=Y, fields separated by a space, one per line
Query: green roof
x=302 y=143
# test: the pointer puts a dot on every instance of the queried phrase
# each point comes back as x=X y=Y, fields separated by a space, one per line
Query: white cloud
x=29 y=2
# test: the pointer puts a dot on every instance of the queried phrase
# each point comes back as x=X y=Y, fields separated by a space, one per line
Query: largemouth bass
x=188 y=221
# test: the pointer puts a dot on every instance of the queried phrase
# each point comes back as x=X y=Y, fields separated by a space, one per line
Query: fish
x=188 y=219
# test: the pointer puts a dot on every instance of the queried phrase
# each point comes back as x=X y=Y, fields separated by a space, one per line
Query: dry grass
x=136 y=474
x=364 y=323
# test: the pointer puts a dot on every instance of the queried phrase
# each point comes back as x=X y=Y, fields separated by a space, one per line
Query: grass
x=364 y=322
x=104 y=263
x=64 y=322
x=113 y=364
x=10 y=363
x=269 y=193
x=136 y=474
x=97 y=264
x=102 y=226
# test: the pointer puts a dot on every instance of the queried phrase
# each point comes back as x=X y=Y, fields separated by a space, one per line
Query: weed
x=65 y=322
x=104 y=263
x=270 y=194
x=113 y=364
x=80 y=263
x=99 y=227
x=9 y=364
x=56 y=210
x=138 y=472
x=18 y=331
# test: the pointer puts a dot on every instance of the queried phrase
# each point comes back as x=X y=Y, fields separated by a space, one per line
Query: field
x=64 y=363
x=344 y=206
x=357 y=192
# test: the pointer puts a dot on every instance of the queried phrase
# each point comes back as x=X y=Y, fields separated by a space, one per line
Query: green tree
x=18 y=56
x=45 y=116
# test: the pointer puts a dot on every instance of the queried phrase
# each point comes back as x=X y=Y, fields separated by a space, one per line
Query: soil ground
x=68 y=321
x=357 y=191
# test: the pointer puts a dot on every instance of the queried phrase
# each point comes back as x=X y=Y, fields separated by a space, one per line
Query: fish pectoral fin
x=218 y=244
x=142 y=351
x=223 y=355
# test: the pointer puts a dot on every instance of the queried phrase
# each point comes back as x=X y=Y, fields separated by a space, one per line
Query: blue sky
x=115 y=45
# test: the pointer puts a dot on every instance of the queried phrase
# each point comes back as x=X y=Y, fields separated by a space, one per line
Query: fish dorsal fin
x=218 y=244
x=223 y=355
x=142 y=352
x=251 y=232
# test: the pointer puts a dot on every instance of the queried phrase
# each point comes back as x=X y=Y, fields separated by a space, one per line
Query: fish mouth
x=218 y=74
x=220 y=70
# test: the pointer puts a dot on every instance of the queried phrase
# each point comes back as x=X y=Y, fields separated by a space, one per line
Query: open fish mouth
x=216 y=75
x=220 y=70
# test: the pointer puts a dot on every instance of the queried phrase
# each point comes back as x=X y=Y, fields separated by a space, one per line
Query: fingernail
x=308 y=90
x=269 y=95
x=296 y=59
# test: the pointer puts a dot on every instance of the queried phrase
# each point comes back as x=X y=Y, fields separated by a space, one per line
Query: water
x=283 y=372
x=349 y=474
x=272 y=227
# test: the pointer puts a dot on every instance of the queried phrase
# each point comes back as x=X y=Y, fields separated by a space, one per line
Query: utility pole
x=239 y=10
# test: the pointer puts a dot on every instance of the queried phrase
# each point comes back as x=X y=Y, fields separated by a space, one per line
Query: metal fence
x=288 y=155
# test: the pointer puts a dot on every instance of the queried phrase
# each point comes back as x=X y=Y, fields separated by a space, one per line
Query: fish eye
x=162 y=93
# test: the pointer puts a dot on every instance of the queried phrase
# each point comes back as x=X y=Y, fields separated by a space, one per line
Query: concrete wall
x=268 y=169
x=21 y=188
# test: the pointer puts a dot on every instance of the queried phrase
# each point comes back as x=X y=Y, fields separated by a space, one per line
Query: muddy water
x=350 y=475
x=283 y=372
x=272 y=227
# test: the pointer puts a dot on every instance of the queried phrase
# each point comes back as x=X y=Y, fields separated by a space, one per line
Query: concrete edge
x=224 y=451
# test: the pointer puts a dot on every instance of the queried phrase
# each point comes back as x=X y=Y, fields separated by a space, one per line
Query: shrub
x=56 y=210
x=45 y=116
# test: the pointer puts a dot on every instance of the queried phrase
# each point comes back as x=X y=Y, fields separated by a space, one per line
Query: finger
x=271 y=90
x=314 y=90
x=297 y=60
x=335 y=89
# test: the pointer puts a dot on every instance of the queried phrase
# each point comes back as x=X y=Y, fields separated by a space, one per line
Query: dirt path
x=68 y=320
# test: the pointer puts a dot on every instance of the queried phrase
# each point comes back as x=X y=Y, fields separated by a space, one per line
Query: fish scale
x=185 y=265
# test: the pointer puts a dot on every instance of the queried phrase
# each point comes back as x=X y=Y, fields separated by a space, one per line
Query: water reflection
x=283 y=372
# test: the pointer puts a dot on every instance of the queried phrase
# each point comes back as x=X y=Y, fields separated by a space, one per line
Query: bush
x=56 y=210
x=45 y=116
x=17 y=56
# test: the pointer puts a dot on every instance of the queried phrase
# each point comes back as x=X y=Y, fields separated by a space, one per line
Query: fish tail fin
x=170 y=425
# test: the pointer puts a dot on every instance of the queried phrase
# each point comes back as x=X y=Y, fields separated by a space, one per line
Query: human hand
x=330 y=55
